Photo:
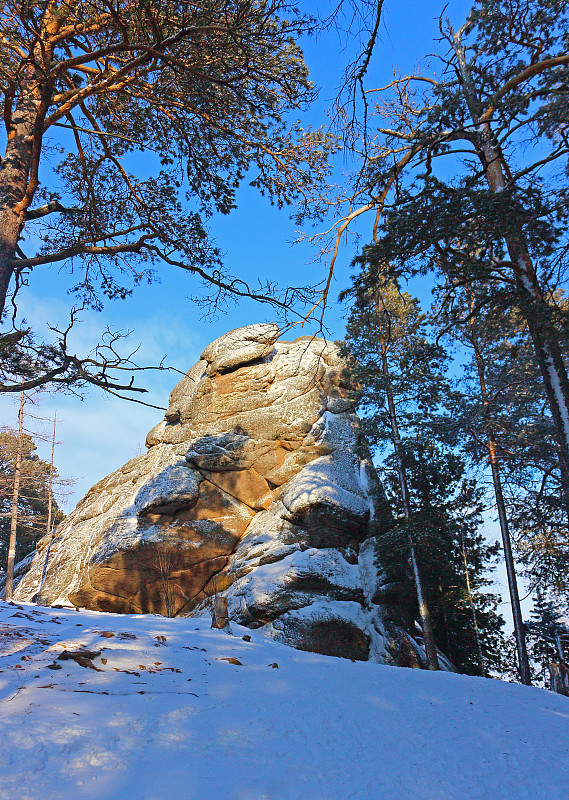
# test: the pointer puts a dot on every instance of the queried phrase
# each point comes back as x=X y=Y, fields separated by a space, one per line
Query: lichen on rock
x=258 y=485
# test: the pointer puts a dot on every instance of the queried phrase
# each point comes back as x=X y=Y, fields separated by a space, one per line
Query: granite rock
x=257 y=485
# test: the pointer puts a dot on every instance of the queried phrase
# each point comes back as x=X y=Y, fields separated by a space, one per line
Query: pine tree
x=33 y=496
x=392 y=317
x=454 y=556
x=548 y=635
x=504 y=422
x=401 y=376
x=159 y=109
x=485 y=417
x=471 y=159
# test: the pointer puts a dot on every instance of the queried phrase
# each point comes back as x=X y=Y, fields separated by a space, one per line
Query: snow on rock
x=274 y=588
x=240 y=346
x=341 y=628
x=175 y=486
x=258 y=484
x=164 y=708
x=331 y=482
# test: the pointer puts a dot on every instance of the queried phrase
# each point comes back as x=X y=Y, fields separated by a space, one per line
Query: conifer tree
x=472 y=158
x=487 y=424
x=548 y=635
x=503 y=422
x=33 y=496
x=401 y=376
x=392 y=318
x=454 y=556
x=159 y=109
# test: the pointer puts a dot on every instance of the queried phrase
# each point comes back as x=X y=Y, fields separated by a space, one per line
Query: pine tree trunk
x=50 y=483
x=533 y=305
x=14 y=172
x=9 y=590
x=9 y=232
x=19 y=166
x=472 y=608
x=523 y=661
x=545 y=339
x=424 y=612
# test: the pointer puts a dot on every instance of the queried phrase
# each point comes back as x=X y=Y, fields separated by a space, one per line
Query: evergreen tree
x=548 y=635
x=387 y=338
x=158 y=109
x=33 y=496
x=403 y=389
x=504 y=422
x=471 y=159
x=454 y=556
x=486 y=418
x=392 y=318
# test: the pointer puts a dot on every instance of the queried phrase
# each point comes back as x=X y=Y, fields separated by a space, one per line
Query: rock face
x=257 y=485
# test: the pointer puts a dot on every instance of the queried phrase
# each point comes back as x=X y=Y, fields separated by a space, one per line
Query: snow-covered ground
x=176 y=710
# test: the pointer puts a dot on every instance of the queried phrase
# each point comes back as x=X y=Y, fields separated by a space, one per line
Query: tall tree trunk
x=481 y=663
x=545 y=339
x=49 y=526
x=10 y=228
x=424 y=613
x=523 y=661
x=533 y=305
x=9 y=590
x=14 y=171
x=24 y=120
x=50 y=483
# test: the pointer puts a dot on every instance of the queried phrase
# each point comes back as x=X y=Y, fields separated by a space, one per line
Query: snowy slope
x=167 y=717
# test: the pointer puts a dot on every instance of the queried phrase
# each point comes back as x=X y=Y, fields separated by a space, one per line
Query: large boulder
x=258 y=485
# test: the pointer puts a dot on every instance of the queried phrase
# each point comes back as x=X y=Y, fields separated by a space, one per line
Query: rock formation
x=257 y=485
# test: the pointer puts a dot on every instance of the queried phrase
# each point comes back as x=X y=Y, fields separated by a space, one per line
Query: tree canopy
x=201 y=90
x=33 y=496
x=465 y=176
